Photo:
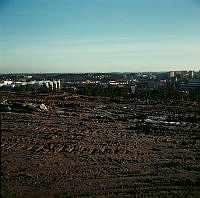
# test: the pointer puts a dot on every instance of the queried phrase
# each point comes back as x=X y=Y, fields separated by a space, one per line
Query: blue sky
x=99 y=35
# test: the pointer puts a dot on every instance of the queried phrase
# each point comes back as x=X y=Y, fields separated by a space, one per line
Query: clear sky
x=99 y=35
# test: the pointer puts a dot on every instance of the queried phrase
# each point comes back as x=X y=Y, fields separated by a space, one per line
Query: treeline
x=26 y=88
x=162 y=94
x=169 y=93
x=110 y=91
x=114 y=91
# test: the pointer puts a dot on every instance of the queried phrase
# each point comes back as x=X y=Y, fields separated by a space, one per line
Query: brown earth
x=100 y=147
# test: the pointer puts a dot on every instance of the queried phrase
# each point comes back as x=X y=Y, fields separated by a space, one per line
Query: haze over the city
x=99 y=35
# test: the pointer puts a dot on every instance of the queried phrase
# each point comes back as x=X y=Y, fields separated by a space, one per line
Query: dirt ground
x=98 y=147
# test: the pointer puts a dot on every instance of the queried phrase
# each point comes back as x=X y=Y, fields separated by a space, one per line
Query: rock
x=43 y=107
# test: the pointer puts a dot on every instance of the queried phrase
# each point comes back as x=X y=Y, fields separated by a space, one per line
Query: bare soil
x=96 y=147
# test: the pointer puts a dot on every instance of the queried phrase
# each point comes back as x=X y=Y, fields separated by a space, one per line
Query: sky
x=99 y=35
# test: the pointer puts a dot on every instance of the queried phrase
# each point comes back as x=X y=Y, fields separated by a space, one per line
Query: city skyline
x=99 y=36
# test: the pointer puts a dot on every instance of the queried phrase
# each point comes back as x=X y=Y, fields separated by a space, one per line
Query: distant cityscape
x=146 y=81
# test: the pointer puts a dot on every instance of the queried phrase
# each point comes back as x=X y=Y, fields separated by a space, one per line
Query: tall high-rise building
x=191 y=74
x=171 y=74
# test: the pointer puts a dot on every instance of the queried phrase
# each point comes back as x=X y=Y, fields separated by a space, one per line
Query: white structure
x=191 y=74
x=46 y=84
x=171 y=74
x=54 y=85
x=59 y=84
x=4 y=83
